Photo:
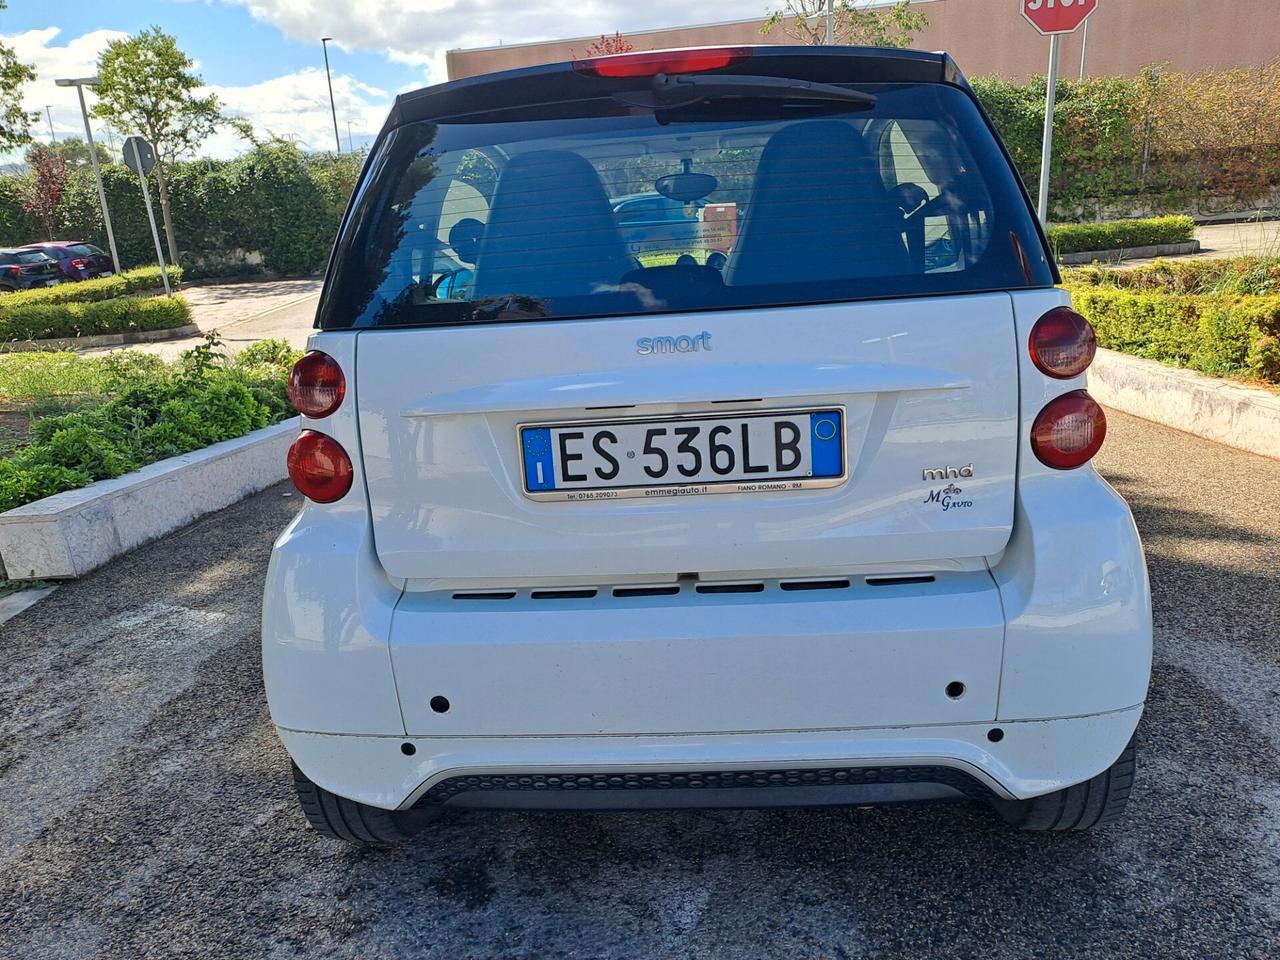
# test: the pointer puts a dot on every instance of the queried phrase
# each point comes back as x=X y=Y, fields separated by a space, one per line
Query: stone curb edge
x=1129 y=253
x=71 y=533
x=101 y=340
x=1247 y=418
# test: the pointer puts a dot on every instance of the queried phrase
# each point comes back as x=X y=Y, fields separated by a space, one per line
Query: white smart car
x=809 y=523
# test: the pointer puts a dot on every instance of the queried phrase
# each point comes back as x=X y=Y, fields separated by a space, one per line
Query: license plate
x=767 y=452
x=53 y=283
x=107 y=273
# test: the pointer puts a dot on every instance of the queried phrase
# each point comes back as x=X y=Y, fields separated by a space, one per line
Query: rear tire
x=338 y=818
x=1085 y=806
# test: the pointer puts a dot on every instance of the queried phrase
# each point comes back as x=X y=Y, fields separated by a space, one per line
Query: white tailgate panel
x=925 y=383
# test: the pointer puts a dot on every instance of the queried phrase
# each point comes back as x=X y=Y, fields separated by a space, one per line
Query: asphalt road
x=147 y=809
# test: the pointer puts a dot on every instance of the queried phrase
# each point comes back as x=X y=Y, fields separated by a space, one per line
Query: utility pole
x=324 y=42
x=831 y=23
x=1084 y=50
x=1046 y=158
x=80 y=84
x=350 y=149
x=53 y=138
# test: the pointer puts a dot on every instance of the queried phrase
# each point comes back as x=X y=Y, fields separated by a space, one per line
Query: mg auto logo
x=647 y=346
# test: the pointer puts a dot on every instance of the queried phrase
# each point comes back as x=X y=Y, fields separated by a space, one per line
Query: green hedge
x=43 y=321
x=152 y=411
x=1222 y=334
x=1120 y=234
x=139 y=280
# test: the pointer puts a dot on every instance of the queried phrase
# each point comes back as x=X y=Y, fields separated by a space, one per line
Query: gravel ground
x=147 y=808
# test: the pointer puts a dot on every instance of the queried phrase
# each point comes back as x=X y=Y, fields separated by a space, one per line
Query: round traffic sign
x=1057 y=16
x=139 y=155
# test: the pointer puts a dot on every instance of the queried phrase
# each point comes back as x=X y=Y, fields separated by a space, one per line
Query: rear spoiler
x=560 y=82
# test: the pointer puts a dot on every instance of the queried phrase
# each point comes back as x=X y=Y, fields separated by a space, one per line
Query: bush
x=1120 y=234
x=43 y=321
x=139 y=280
x=1214 y=332
x=150 y=411
x=1162 y=140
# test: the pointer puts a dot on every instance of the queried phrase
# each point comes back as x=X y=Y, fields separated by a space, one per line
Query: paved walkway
x=243 y=313
x=1222 y=240
x=148 y=809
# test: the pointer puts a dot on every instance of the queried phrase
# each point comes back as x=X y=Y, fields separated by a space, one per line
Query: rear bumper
x=1031 y=758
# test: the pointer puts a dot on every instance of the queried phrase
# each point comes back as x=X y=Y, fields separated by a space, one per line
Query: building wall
x=990 y=36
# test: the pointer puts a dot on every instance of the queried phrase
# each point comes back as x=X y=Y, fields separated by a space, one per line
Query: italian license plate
x=770 y=451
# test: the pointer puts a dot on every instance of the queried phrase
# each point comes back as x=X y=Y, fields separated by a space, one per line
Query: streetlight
x=80 y=83
x=53 y=138
x=350 y=149
x=324 y=42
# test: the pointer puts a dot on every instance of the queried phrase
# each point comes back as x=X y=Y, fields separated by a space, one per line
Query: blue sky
x=263 y=57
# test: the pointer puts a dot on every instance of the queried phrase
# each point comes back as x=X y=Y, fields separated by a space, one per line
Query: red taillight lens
x=319 y=467
x=1068 y=431
x=1062 y=344
x=662 y=61
x=316 y=385
x=78 y=264
x=16 y=271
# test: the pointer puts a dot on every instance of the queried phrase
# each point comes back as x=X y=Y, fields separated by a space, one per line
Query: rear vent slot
x=622 y=592
x=730 y=587
x=814 y=584
x=897 y=581
x=563 y=594
x=491 y=595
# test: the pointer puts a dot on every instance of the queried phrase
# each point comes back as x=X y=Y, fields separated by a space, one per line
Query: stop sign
x=1057 y=16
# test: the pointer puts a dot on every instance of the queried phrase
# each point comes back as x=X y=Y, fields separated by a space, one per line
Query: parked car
x=24 y=269
x=815 y=527
x=76 y=259
x=652 y=223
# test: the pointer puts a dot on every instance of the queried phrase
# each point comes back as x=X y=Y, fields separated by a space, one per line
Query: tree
x=75 y=151
x=854 y=22
x=604 y=46
x=15 y=123
x=41 y=192
x=148 y=87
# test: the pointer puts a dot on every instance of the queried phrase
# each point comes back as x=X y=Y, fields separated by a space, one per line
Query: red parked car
x=76 y=259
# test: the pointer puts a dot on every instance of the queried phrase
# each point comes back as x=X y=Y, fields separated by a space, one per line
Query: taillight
x=79 y=264
x=319 y=467
x=1068 y=431
x=1062 y=344
x=662 y=61
x=15 y=271
x=316 y=385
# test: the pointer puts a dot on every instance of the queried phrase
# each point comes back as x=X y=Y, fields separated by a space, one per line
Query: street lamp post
x=80 y=83
x=350 y=149
x=53 y=137
x=324 y=42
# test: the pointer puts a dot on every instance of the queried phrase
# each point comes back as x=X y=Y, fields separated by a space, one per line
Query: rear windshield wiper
x=686 y=89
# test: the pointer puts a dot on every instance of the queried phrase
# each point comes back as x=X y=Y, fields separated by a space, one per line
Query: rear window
x=84 y=250
x=31 y=256
x=573 y=216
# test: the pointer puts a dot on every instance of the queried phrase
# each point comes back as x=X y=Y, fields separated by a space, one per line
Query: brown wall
x=990 y=36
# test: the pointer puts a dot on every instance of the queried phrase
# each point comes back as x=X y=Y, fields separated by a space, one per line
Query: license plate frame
x=771 y=484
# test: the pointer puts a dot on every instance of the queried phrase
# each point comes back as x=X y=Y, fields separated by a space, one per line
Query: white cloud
x=296 y=106
x=419 y=32
x=77 y=57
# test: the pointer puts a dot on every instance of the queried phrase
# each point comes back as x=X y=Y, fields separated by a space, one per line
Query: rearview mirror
x=686 y=187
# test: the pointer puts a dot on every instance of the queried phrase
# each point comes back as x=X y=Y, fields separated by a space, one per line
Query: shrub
x=1180 y=315
x=124 y=314
x=1120 y=234
x=139 y=280
x=149 y=410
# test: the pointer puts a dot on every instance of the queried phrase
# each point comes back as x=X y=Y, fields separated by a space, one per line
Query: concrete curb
x=101 y=340
x=71 y=533
x=1130 y=253
x=1243 y=417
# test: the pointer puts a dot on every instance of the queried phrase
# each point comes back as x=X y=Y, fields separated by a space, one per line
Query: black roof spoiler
x=560 y=82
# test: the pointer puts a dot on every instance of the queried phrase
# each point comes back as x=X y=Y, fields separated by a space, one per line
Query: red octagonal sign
x=1057 y=16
